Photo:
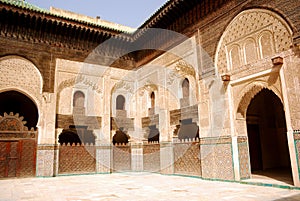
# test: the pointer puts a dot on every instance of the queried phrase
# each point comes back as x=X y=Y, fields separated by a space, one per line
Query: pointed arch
x=240 y=29
x=249 y=92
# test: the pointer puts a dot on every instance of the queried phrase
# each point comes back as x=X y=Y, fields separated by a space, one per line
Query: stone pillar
x=47 y=152
x=105 y=136
x=138 y=131
x=137 y=156
x=235 y=156
x=166 y=158
x=164 y=122
x=104 y=147
x=234 y=141
x=290 y=133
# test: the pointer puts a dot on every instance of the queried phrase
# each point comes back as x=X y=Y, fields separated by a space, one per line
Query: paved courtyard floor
x=136 y=186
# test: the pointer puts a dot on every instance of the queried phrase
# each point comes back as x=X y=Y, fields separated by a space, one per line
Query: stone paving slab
x=135 y=186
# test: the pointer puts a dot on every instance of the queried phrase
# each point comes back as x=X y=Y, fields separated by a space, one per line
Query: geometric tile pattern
x=187 y=158
x=245 y=172
x=151 y=157
x=166 y=158
x=45 y=161
x=103 y=158
x=298 y=153
x=216 y=161
x=136 y=157
x=121 y=158
x=77 y=159
x=297 y=146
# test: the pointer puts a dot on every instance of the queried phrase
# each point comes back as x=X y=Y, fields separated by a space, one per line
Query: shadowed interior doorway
x=267 y=135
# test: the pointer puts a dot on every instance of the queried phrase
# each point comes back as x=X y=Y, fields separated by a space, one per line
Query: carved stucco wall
x=76 y=76
x=247 y=91
x=18 y=73
x=292 y=79
x=127 y=90
x=246 y=47
x=253 y=34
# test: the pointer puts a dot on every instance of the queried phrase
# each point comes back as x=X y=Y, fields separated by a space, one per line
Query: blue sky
x=126 y=12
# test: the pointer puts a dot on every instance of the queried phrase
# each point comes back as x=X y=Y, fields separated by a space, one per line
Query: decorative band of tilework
x=137 y=146
x=216 y=140
x=47 y=147
x=106 y=146
x=242 y=139
x=296 y=134
x=166 y=144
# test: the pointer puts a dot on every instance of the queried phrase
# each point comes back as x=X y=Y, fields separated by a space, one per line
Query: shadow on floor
x=283 y=175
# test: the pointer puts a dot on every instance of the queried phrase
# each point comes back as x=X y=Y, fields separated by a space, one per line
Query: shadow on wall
x=188 y=130
x=76 y=134
x=120 y=137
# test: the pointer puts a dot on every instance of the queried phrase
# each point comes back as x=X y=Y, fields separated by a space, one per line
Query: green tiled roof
x=25 y=5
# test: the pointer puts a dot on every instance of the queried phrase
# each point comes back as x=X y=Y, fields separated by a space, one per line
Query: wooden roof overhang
x=64 y=33
x=174 y=15
x=38 y=26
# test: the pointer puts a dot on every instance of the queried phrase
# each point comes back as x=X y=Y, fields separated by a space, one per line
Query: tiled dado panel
x=244 y=160
x=151 y=157
x=121 y=158
x=45 y=160
x=77 y=159
x=104 y=157
x=166 y=158
x=297 y=146
x=216 y=158
x=187 y=158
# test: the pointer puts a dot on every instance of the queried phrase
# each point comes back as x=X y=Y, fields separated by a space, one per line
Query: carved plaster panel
x=246 y=92
x=185 y=69
x=19 y=73
x=252 y=35
x=80 y=79
x=123 y=85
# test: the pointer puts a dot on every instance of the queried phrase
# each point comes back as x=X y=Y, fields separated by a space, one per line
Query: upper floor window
x=78 y=99
x=185 y=88
x=120 y=102
x=152 y=96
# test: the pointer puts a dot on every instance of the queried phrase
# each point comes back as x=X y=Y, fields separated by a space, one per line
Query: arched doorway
x=18 y=141
x=268 y=146
x=16 y=102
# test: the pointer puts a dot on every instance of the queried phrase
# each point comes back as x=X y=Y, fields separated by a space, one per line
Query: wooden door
x=9 y=158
